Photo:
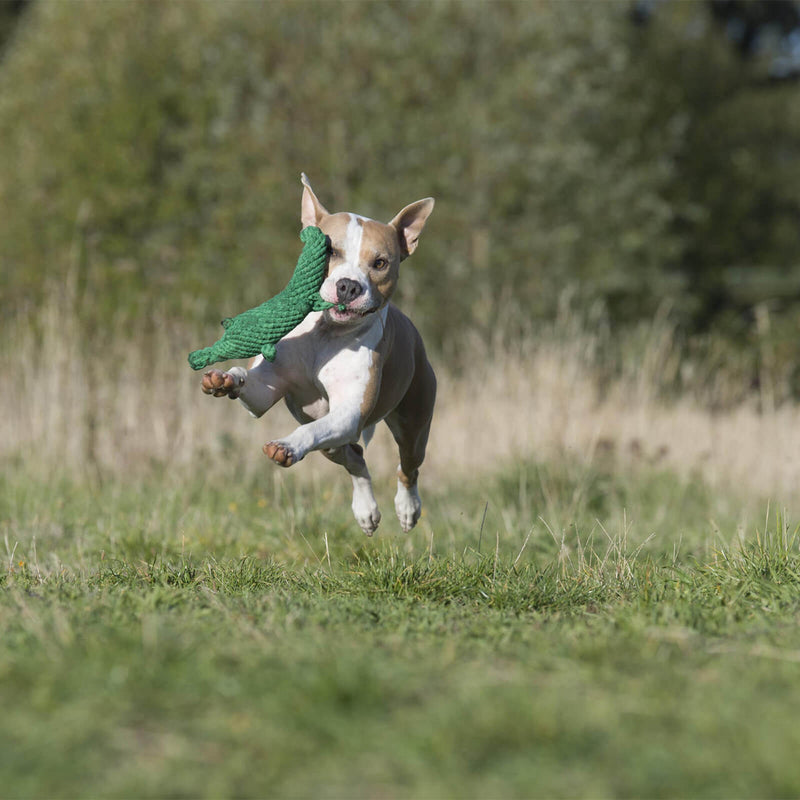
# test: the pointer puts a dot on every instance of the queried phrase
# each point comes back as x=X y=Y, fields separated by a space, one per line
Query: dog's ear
x=409 y=224
x=311 y=210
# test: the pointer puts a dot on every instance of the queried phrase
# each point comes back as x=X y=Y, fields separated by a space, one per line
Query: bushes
x=157 y=148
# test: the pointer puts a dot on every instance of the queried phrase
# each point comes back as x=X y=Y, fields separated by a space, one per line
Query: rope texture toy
x=258 y=329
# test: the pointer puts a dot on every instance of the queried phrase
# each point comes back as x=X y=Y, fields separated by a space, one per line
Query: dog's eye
x=380 y=263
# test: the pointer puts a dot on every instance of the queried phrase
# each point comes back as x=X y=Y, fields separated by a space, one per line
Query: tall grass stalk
x=123 y=401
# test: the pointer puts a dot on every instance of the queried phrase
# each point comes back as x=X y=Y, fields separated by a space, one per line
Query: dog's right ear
x=311 y=210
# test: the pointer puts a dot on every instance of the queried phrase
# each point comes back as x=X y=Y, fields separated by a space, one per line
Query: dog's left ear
x=409 y=224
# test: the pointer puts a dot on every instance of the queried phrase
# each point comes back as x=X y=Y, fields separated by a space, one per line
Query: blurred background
x=615 y=169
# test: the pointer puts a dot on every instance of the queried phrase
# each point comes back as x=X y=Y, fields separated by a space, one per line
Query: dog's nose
x=347 y=290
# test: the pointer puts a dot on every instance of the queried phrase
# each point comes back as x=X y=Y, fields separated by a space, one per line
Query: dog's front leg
x=259 y=387
x=351 y=380
x=342 y=425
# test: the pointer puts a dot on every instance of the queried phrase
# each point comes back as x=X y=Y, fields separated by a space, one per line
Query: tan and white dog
x=342 y=372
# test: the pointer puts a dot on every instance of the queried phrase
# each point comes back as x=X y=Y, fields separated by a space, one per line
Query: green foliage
x=156 y=151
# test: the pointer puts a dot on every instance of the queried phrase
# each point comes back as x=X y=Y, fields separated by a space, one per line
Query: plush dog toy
x=258 y=329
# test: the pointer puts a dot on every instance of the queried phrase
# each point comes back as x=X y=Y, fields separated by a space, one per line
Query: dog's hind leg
x=410 y=424
x=365 y=507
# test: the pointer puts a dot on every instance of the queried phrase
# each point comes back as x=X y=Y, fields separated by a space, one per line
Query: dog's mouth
x=344 y=313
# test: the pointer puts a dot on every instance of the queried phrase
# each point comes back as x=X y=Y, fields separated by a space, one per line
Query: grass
x=609 y=619
x=213 y=637
x=119 y=405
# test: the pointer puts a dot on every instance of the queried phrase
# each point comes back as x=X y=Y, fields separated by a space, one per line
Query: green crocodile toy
x=258 y=329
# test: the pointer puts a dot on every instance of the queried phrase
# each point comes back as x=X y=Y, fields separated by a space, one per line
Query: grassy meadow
x=601 y=598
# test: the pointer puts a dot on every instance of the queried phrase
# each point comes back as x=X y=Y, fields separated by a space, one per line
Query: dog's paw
x=367 y=515
x=280 y=453
x=408 y=506
x=221 y=384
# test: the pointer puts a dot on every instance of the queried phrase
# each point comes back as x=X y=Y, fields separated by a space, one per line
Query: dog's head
x=365 y=255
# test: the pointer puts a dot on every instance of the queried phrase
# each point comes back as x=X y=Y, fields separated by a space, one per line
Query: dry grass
x=136 y=403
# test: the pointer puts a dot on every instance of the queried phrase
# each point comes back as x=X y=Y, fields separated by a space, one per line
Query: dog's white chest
x=319 y=367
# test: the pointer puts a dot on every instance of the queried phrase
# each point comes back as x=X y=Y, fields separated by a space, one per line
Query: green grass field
x=590 y=632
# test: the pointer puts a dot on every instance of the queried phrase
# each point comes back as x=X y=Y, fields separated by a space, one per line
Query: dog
x=343 y=370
